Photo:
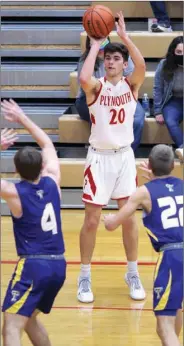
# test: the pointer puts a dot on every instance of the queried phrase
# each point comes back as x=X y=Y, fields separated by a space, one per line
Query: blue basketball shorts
x=34 y=285
x=168 y=283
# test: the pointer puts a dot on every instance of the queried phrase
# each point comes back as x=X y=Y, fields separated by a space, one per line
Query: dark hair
x=28 y=163
x=117 y=47
x=161 y=160
x=170 y=64
x=85 y=54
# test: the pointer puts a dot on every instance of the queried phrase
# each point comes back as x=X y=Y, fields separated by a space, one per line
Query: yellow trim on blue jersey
x=18 y=305
x=151 y=234
x=18 y=272
x=163 y=301
x=158 y=264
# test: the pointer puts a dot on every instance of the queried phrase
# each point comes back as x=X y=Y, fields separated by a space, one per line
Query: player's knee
x=91 y=223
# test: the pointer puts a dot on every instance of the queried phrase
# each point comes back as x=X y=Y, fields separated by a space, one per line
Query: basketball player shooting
x=110 y=170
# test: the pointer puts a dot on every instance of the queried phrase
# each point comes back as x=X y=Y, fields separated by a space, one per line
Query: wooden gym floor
x=113 y=319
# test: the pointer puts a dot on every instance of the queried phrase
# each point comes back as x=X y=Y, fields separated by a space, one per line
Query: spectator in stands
x=163 y=22
x=99 y=72
x=168 y=91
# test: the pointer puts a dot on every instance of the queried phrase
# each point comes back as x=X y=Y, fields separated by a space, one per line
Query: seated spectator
x=168 y=91
x=160 y=13
x=99 y=72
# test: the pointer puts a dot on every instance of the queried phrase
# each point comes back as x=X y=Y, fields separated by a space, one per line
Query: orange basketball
x=98 y=21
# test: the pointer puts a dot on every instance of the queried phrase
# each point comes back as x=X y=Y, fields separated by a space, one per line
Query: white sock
x=85 y=270
x=132 y=268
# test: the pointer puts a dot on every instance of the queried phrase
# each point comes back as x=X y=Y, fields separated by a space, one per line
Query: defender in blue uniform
x=162 y=202
x=34 y=203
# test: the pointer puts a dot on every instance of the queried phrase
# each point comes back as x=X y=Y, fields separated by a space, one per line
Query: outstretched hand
x=147 y=172
x=11 y=111
x=120 y=26
x=8 y=138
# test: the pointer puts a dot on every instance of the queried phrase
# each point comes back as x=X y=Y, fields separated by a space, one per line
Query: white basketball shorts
x=109 y=174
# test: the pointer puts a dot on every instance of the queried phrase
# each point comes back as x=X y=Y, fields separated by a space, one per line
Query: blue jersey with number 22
x=38 y=230
x=165 y=222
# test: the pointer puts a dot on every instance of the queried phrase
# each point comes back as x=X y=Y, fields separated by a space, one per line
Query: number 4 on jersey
x=48 y=220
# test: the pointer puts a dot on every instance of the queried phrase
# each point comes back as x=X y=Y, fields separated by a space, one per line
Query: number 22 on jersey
x=48 y=220
x=171 y=216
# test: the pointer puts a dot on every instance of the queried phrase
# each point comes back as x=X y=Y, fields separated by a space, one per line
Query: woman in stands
x=168 y=92
x=99 y=72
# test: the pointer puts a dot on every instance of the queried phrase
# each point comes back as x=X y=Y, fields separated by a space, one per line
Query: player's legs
x=179 y=322
x=130 y=241
x=13 y=326
x=168 y=296
x=88 y=232
x=130 y=235
x=87 y=244
x=99 y=180
x=36 y=331
x=166 y=330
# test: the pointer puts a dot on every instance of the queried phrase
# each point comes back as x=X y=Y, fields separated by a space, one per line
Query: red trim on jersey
x=88 y=202
x=136 y=180
x=105 y=79
x=126 y=80
x=96 y=96
x=118 y=199
x=92 y=119
x=91 y=180
x=86 y=196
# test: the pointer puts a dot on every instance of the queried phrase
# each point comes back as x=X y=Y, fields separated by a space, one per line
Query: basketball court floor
x=113 y=319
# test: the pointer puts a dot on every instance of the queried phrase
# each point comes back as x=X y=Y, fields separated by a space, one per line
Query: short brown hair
x=28 y=163
x=117 y=47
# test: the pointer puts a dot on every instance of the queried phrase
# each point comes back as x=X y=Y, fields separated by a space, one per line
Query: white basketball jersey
x=112 y=115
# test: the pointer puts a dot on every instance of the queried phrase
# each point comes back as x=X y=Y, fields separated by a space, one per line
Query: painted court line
x=98 y=263
x=88 y=308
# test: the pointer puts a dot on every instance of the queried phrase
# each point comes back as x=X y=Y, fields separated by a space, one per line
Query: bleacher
x=41 y=43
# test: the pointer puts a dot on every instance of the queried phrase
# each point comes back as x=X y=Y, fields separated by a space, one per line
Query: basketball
x=98 y=21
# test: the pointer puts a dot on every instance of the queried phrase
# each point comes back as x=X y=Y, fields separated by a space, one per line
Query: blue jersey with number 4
x=165 y=222
x=38 y=230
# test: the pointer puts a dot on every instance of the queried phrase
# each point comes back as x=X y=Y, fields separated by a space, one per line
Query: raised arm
x=90 y=84
x=8 y=138
x=137 y=77
x=139 y=198
x=13 y=113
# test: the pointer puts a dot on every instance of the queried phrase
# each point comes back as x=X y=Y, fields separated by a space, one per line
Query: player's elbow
x=142 y=67
x=83 y=79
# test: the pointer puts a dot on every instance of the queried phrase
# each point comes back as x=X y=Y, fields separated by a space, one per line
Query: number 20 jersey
x=165 y=222
x=112 y=114
x=38 y=230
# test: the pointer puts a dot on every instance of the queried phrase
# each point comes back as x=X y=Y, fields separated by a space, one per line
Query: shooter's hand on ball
x=96 y=41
